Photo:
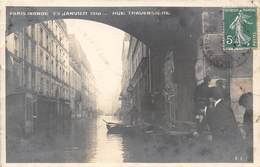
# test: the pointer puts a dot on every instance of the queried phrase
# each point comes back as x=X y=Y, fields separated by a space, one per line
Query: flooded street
x=183 y=94
x=87 y=141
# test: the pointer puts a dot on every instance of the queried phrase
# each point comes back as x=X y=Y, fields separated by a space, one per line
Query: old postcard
x=130 y=83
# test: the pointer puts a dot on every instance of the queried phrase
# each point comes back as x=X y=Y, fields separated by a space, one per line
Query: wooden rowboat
x=118 y=128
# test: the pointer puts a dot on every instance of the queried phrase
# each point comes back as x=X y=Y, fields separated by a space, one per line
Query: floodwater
x=87 y=141
x=109 y=147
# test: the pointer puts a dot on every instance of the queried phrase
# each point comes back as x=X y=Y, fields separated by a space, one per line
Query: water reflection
x=109 y=146
x=145 y=148
x=131 y=147
x=88 y=141
x=81 y=141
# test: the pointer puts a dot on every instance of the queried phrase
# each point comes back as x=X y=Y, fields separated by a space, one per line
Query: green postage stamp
x=240 y=28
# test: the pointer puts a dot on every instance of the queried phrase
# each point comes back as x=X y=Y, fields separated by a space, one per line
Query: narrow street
x=175 y=94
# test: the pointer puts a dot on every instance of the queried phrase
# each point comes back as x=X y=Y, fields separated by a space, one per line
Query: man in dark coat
x=201 y=98
x=227 y=140
x=221 y=85
x=202 y=92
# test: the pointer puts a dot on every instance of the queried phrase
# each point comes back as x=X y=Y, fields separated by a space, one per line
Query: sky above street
x=102 y=45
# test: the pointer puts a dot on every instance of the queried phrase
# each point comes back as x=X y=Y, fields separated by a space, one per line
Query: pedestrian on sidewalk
x=227 y=139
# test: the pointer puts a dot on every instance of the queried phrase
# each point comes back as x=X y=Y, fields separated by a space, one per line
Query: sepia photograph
x=129 y=84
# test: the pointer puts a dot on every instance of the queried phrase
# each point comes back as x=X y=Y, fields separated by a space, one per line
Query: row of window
x=50 y=87
x=43 y=84
x=53 y=67
x=75 y=79
x=58 y=28
x=41 y=48
x=53 y=47
x=45 y=62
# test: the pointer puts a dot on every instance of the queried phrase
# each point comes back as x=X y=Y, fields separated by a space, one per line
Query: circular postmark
x=213 y=51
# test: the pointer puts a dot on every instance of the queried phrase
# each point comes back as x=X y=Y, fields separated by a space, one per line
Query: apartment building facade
x=37 y=76
x=135 y=81
x=86 y=88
